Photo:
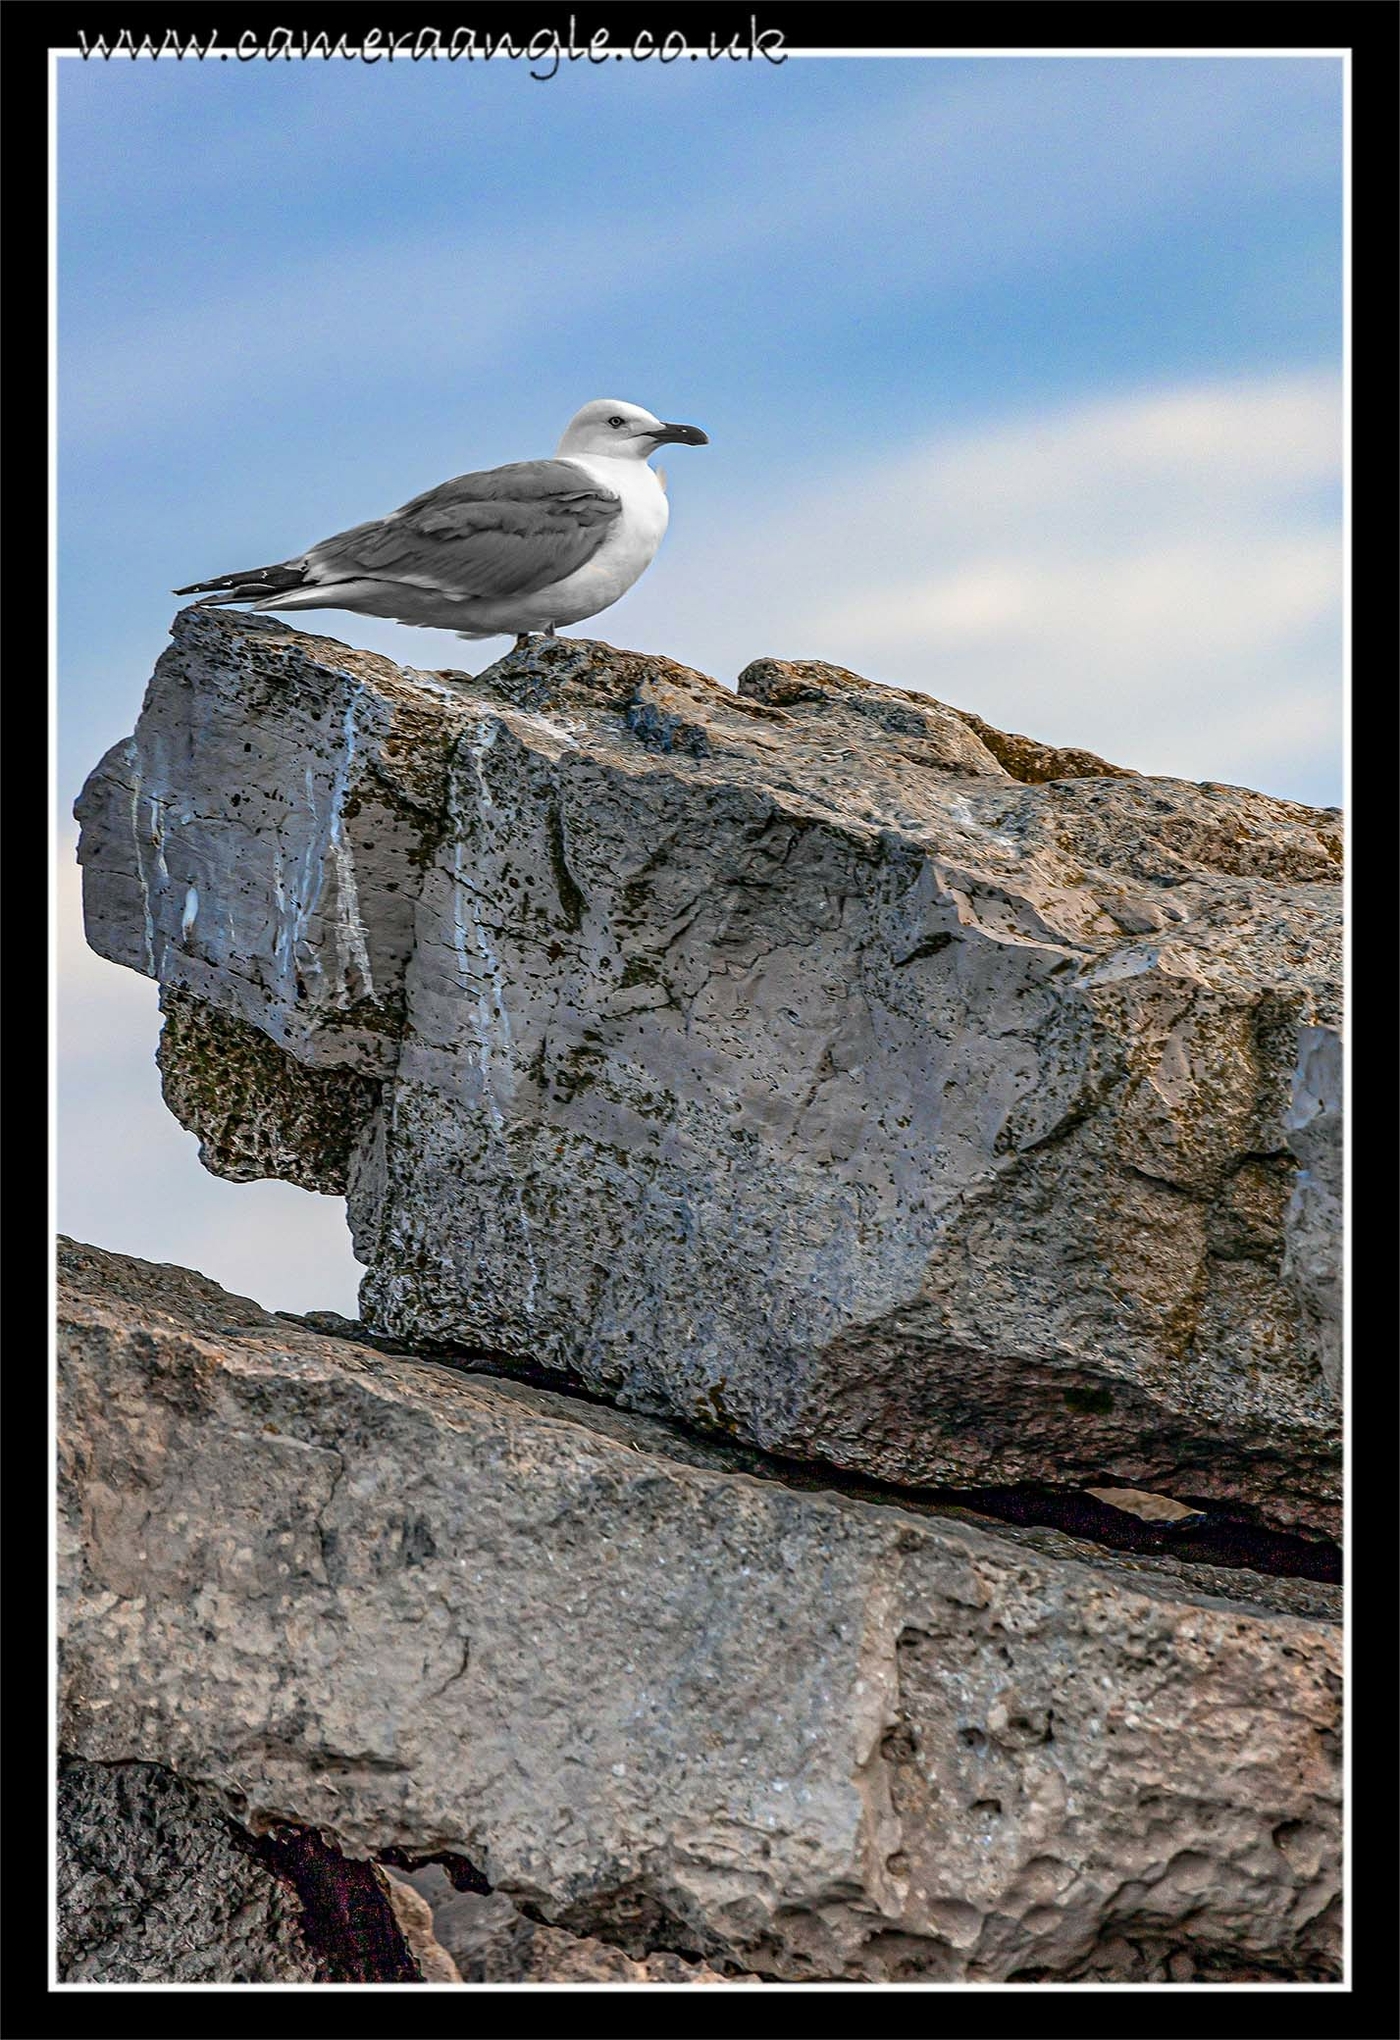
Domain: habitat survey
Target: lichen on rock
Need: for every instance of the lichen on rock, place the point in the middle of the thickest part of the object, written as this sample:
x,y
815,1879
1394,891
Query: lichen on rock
x,y
257,1110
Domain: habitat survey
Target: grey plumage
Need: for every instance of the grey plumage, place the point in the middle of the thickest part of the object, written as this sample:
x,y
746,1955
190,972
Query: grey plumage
x,y
502,531
517,548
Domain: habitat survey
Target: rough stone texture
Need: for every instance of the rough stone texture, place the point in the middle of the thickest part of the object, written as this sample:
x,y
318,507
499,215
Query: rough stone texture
x,y
415,1917
259,1112
1313,1230
490,1941
803,1062
655,1700
155,1885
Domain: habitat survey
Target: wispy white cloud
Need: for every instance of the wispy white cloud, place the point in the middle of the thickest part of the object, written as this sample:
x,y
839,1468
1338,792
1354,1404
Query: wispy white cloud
x,y
1157,577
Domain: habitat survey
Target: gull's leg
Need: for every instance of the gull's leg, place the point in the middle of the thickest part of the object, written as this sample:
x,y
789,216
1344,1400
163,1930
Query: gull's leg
x,y
522,639
549,630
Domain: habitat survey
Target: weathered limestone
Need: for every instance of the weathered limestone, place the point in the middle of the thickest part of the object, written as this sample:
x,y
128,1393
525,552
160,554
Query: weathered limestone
x,y
464,1937
656,1700
811,1063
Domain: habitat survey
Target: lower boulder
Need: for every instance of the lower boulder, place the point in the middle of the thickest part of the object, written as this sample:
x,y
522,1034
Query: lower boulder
x,y
653,1692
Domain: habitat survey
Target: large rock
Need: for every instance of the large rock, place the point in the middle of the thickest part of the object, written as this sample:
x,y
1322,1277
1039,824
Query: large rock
x,y
812,1062
654,1699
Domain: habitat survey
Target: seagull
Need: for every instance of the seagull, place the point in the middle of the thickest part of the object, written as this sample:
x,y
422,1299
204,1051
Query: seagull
x,y
519,548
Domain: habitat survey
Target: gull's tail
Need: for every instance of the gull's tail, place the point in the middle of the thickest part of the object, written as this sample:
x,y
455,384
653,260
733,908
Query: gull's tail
x,y
256,584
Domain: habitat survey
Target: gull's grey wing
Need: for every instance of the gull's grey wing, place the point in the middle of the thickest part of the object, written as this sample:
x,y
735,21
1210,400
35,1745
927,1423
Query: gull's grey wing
x,y
506,531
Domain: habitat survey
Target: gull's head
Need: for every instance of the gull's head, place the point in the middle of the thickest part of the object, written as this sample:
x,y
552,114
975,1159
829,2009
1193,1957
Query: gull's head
x,y
621,431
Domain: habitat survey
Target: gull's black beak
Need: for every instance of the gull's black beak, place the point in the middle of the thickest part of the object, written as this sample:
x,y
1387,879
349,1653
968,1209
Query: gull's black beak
x,y
680,435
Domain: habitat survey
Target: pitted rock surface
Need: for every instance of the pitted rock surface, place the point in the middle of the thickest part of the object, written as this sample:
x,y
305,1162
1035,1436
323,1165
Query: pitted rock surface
x,y
154,1885
655,1701
812,1061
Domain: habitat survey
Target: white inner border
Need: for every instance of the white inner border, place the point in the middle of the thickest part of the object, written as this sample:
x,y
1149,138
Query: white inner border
x,y
1343,56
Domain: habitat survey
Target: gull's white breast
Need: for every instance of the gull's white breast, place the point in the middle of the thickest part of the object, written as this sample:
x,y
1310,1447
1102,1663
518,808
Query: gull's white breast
x,y
626,552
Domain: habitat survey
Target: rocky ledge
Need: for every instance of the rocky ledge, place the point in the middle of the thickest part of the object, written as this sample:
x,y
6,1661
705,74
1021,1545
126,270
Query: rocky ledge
x,y
336,1620
810,1062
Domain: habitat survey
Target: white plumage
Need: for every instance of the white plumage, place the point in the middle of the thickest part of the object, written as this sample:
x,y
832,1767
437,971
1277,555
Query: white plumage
x,y
517,548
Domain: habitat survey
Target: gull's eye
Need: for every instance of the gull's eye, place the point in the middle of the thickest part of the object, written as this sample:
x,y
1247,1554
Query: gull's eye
x,y
615,422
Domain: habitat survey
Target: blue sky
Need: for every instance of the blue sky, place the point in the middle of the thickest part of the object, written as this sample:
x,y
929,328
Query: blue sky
x,y
1022,378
